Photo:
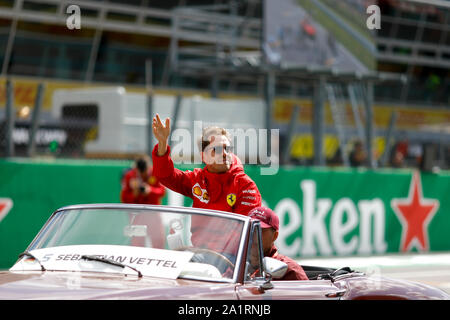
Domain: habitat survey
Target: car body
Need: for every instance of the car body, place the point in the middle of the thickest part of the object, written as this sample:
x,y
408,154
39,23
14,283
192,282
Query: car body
x,y
127,251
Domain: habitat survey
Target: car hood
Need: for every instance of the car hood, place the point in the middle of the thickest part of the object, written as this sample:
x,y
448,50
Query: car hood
x,y
79,286
378,287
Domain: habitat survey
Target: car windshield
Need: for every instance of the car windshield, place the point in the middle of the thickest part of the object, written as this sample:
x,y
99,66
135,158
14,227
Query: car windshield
x,y
200,245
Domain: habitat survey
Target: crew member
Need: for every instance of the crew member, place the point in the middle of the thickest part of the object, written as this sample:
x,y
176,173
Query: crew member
x,y
269,233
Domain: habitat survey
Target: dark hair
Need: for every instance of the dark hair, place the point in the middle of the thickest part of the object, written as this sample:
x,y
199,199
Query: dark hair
x,y
141,165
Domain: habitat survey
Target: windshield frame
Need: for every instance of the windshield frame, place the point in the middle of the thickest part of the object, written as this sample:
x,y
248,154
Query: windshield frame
x,y
161,208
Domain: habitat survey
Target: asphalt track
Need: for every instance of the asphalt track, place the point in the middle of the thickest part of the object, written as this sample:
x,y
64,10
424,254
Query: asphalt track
x,y
430,268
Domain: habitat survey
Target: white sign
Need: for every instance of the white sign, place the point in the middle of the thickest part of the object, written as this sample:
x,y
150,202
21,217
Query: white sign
x,y
150,262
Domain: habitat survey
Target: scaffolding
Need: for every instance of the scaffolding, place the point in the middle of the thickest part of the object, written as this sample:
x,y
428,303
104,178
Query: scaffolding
x,y
214,43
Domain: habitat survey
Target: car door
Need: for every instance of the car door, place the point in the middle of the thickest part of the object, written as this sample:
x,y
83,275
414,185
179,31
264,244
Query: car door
x,y
287,290
257,284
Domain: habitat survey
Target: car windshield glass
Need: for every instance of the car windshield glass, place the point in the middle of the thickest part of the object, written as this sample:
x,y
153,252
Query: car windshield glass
x,y
213,239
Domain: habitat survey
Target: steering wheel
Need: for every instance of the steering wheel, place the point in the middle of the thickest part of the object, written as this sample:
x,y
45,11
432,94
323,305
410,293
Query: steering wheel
x,y
209,256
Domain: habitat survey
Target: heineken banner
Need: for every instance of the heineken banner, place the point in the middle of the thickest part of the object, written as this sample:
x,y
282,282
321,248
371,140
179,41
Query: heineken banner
x,y
349,212
323,211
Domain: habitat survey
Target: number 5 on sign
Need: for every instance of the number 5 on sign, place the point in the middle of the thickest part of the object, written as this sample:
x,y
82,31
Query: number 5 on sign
x,y
74,20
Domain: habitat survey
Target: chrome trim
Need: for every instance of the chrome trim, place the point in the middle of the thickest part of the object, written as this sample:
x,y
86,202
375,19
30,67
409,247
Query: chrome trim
x,y
336,294
256,225
198,278
240,255
223,214
349,275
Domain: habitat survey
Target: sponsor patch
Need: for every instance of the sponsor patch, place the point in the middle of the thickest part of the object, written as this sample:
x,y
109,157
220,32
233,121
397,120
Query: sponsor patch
x,y
231,199
200,194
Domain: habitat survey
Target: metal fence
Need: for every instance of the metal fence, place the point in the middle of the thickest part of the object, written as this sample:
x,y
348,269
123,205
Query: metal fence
x,y
401,137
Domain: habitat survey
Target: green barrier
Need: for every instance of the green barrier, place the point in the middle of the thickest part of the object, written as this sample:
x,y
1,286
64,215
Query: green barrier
x,y
349,212
322,211
39,188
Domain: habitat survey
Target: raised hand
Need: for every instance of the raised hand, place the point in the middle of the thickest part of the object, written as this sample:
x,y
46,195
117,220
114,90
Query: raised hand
x,y
161,132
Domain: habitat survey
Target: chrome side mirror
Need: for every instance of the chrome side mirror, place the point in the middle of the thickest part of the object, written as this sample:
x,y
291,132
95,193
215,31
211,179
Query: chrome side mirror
x,y
276,268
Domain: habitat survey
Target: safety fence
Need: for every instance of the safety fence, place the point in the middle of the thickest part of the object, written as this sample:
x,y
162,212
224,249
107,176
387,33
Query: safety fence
x,y
323,211
66,127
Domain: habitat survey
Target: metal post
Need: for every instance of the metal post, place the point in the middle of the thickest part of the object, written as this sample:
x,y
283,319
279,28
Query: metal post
x,y
148,82
419,32
235,28
339,114
9,46
369,125
176,112
171,63
387,148
269,96
11,37
290,133
93,55
35,120
9,119
173,51
166,74
318,122
95,46
215,86
355,109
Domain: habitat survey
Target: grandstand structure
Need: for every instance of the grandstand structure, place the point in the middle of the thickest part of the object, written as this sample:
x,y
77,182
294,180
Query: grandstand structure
x,y
217,46
417,32
117,37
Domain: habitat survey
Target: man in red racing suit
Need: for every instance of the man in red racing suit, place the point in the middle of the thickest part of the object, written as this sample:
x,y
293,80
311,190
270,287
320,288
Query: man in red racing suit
x,y
221,185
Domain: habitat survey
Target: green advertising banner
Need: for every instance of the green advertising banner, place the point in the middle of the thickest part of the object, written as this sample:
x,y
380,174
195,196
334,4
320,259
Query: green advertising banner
x,y
349,212
323,211
34,189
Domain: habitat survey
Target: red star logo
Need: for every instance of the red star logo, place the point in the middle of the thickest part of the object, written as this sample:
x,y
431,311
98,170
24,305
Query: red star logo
x,y
415,214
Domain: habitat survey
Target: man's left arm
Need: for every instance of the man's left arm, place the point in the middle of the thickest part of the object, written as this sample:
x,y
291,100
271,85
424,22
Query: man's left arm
x,y
295,270
248,198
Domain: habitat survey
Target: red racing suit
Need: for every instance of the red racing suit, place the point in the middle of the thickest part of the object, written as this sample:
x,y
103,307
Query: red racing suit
x,y
232,191
157,190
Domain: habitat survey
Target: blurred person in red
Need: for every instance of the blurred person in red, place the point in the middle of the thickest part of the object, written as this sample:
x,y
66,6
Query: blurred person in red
x,y
140,186
269,233
400,153
220,185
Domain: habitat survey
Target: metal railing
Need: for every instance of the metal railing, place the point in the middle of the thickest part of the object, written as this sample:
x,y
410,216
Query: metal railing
x,y
205,28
